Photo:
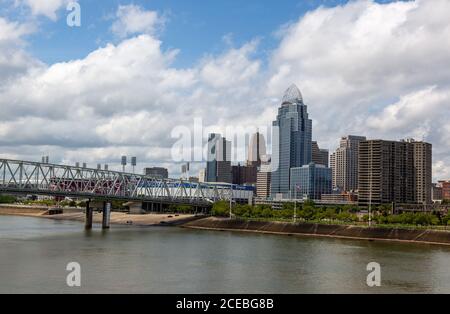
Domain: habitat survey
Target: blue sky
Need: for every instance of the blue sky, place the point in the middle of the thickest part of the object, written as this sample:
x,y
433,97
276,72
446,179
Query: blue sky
x,y
195,27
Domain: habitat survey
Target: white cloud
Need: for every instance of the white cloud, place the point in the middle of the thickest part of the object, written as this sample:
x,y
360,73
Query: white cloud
x,y
133,19
232,68
14,60
12,32
47,8
418,109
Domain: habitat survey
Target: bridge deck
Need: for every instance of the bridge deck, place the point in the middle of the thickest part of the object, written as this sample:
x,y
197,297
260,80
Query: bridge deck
x,y
25,177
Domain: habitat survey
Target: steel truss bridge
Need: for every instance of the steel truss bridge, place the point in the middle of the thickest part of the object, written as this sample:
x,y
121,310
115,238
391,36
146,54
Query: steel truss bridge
x,y
35,178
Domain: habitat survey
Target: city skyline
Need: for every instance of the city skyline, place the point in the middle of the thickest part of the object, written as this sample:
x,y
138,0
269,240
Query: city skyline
x,y
44,99
224,155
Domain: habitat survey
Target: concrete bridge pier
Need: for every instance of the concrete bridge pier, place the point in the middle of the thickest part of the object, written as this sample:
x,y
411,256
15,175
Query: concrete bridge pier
x,y
89,214
106,218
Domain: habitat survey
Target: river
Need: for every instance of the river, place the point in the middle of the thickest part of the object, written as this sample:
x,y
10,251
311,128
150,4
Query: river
x,y
34,253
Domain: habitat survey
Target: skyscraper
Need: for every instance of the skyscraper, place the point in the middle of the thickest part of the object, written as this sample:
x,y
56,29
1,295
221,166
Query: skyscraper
x,y
423,171
394,172
344,163
291,142
218,165
319,156
256,149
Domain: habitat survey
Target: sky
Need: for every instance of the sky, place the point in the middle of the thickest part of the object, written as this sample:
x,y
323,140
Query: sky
x,y
135,72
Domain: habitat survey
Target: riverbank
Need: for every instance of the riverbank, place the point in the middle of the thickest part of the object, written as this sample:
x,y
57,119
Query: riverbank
x,y
147,220
322,230
23,210
222,224
77,214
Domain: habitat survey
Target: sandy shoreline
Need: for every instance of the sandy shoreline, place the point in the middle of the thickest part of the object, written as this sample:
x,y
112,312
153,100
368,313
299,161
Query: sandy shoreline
x,y
127,219
73,214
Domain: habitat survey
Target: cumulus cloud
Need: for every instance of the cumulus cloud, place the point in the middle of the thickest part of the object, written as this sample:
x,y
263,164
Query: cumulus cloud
x,y
12,32
380,70
14,60
133,19
421,108
46,8
232,68
124,95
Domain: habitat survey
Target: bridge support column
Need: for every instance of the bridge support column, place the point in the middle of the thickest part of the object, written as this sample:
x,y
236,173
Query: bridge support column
x,y
106,215
89,212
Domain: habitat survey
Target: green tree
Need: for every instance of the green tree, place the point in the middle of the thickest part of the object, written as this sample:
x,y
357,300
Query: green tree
x,y
309,203
330,213
267,213
446,219
307,212
7,199
221,209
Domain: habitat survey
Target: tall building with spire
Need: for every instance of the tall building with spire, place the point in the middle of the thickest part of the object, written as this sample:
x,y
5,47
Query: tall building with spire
x,y
292,140
218,165
256,149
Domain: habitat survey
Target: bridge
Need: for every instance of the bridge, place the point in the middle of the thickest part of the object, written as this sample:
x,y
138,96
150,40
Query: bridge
x,y
36,178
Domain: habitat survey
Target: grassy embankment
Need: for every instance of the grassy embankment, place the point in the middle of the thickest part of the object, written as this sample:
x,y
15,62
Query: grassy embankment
x,y
334,215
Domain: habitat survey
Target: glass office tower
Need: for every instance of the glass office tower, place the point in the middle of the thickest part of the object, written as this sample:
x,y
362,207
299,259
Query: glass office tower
x,y
291,144
310,181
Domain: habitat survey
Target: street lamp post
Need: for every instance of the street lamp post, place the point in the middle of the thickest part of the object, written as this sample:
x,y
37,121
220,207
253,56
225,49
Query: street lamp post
x,y
370,187
231,200
295,211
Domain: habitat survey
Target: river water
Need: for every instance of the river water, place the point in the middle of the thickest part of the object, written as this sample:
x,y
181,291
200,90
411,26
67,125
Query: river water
x,y
34,254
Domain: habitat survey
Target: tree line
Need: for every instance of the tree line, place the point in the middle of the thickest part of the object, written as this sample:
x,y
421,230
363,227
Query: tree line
x,y
310,212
